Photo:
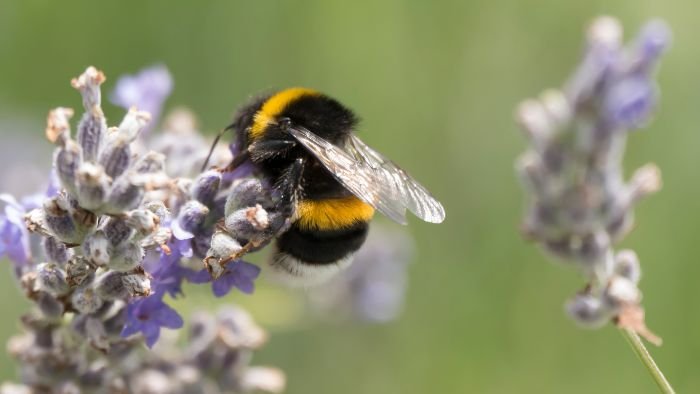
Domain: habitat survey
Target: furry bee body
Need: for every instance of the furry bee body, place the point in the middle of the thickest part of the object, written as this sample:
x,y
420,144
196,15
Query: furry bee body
x,y
329,223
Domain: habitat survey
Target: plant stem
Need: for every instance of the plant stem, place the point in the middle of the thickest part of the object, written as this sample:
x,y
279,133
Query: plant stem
x,y
641,351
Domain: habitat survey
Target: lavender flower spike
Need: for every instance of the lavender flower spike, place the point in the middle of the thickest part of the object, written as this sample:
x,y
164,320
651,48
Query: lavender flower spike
x,y
580,204
119,235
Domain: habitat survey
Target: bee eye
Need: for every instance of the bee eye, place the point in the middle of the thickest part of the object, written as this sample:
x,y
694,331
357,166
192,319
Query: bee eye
x,y
284,123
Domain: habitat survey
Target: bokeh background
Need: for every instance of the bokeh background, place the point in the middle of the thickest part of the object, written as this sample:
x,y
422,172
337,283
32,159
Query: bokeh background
x,y
436,84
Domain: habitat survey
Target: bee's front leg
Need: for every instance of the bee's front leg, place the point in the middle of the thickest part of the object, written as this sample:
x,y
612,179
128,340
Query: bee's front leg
x,y
290,188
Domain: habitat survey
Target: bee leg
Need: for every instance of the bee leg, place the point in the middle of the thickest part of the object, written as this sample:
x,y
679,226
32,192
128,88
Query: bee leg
x,y
290,187
290,190
261,150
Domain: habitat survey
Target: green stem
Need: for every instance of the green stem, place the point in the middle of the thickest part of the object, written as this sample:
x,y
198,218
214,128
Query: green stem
x,y
641,351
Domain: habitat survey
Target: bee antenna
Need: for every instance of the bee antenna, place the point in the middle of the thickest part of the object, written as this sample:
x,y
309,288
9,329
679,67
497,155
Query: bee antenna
x,y
213,146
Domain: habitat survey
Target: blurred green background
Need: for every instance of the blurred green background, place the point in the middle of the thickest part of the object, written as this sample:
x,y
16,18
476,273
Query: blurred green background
x,y
435,83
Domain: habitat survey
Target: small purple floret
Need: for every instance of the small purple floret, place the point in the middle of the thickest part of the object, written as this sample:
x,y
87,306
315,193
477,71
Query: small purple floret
x,y
148,315
238,274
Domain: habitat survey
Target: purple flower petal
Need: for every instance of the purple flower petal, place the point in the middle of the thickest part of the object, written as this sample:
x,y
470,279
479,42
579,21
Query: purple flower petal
x,y
148,315
130,330
629,102
151,333
179,232
168,317
222,286
202,276
239,274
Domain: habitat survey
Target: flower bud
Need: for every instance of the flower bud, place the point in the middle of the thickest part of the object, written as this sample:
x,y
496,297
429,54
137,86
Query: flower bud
x,y
621,291
52,279
629,102
264,379
536,121
627,265
88,83
109,286
91,131
152,381
78,270
67,160
60,222
223,245
244,194
116,156
137,285
123,196
96,335
247,223
605,30
96,249
653,40
192,216
85,300
143,221
49,306
593,247
58,125
150,162
159,237
56,251
588,311
133,123
92,186
158,208
238,329
206,186
117,231
645,181
127,257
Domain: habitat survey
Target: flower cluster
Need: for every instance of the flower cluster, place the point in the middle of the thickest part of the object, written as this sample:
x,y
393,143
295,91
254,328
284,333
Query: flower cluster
x,y
214,360
115,234
580,205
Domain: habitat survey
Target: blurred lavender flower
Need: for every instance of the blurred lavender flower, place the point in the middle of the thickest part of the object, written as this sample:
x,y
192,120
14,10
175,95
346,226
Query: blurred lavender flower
x,y
373,287
580,204
181,138
147,91
14,237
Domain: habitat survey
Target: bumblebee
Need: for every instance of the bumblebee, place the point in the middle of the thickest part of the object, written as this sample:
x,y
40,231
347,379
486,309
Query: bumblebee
x,y
329,182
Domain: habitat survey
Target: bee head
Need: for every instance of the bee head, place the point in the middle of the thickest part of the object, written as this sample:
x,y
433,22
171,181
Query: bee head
x,y
301,107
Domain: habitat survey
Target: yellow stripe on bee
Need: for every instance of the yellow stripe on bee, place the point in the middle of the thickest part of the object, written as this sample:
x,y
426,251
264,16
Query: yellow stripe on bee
x,y
274,106
332,214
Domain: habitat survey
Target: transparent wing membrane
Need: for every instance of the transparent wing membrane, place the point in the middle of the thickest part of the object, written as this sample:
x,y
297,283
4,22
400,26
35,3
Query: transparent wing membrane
x,y
373,178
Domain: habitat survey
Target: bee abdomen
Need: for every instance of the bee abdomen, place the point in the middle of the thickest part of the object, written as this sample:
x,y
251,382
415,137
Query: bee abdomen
x,y
318,247
307,257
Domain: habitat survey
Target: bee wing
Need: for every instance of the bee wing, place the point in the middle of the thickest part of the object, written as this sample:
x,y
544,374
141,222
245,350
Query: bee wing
x,y
372,178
